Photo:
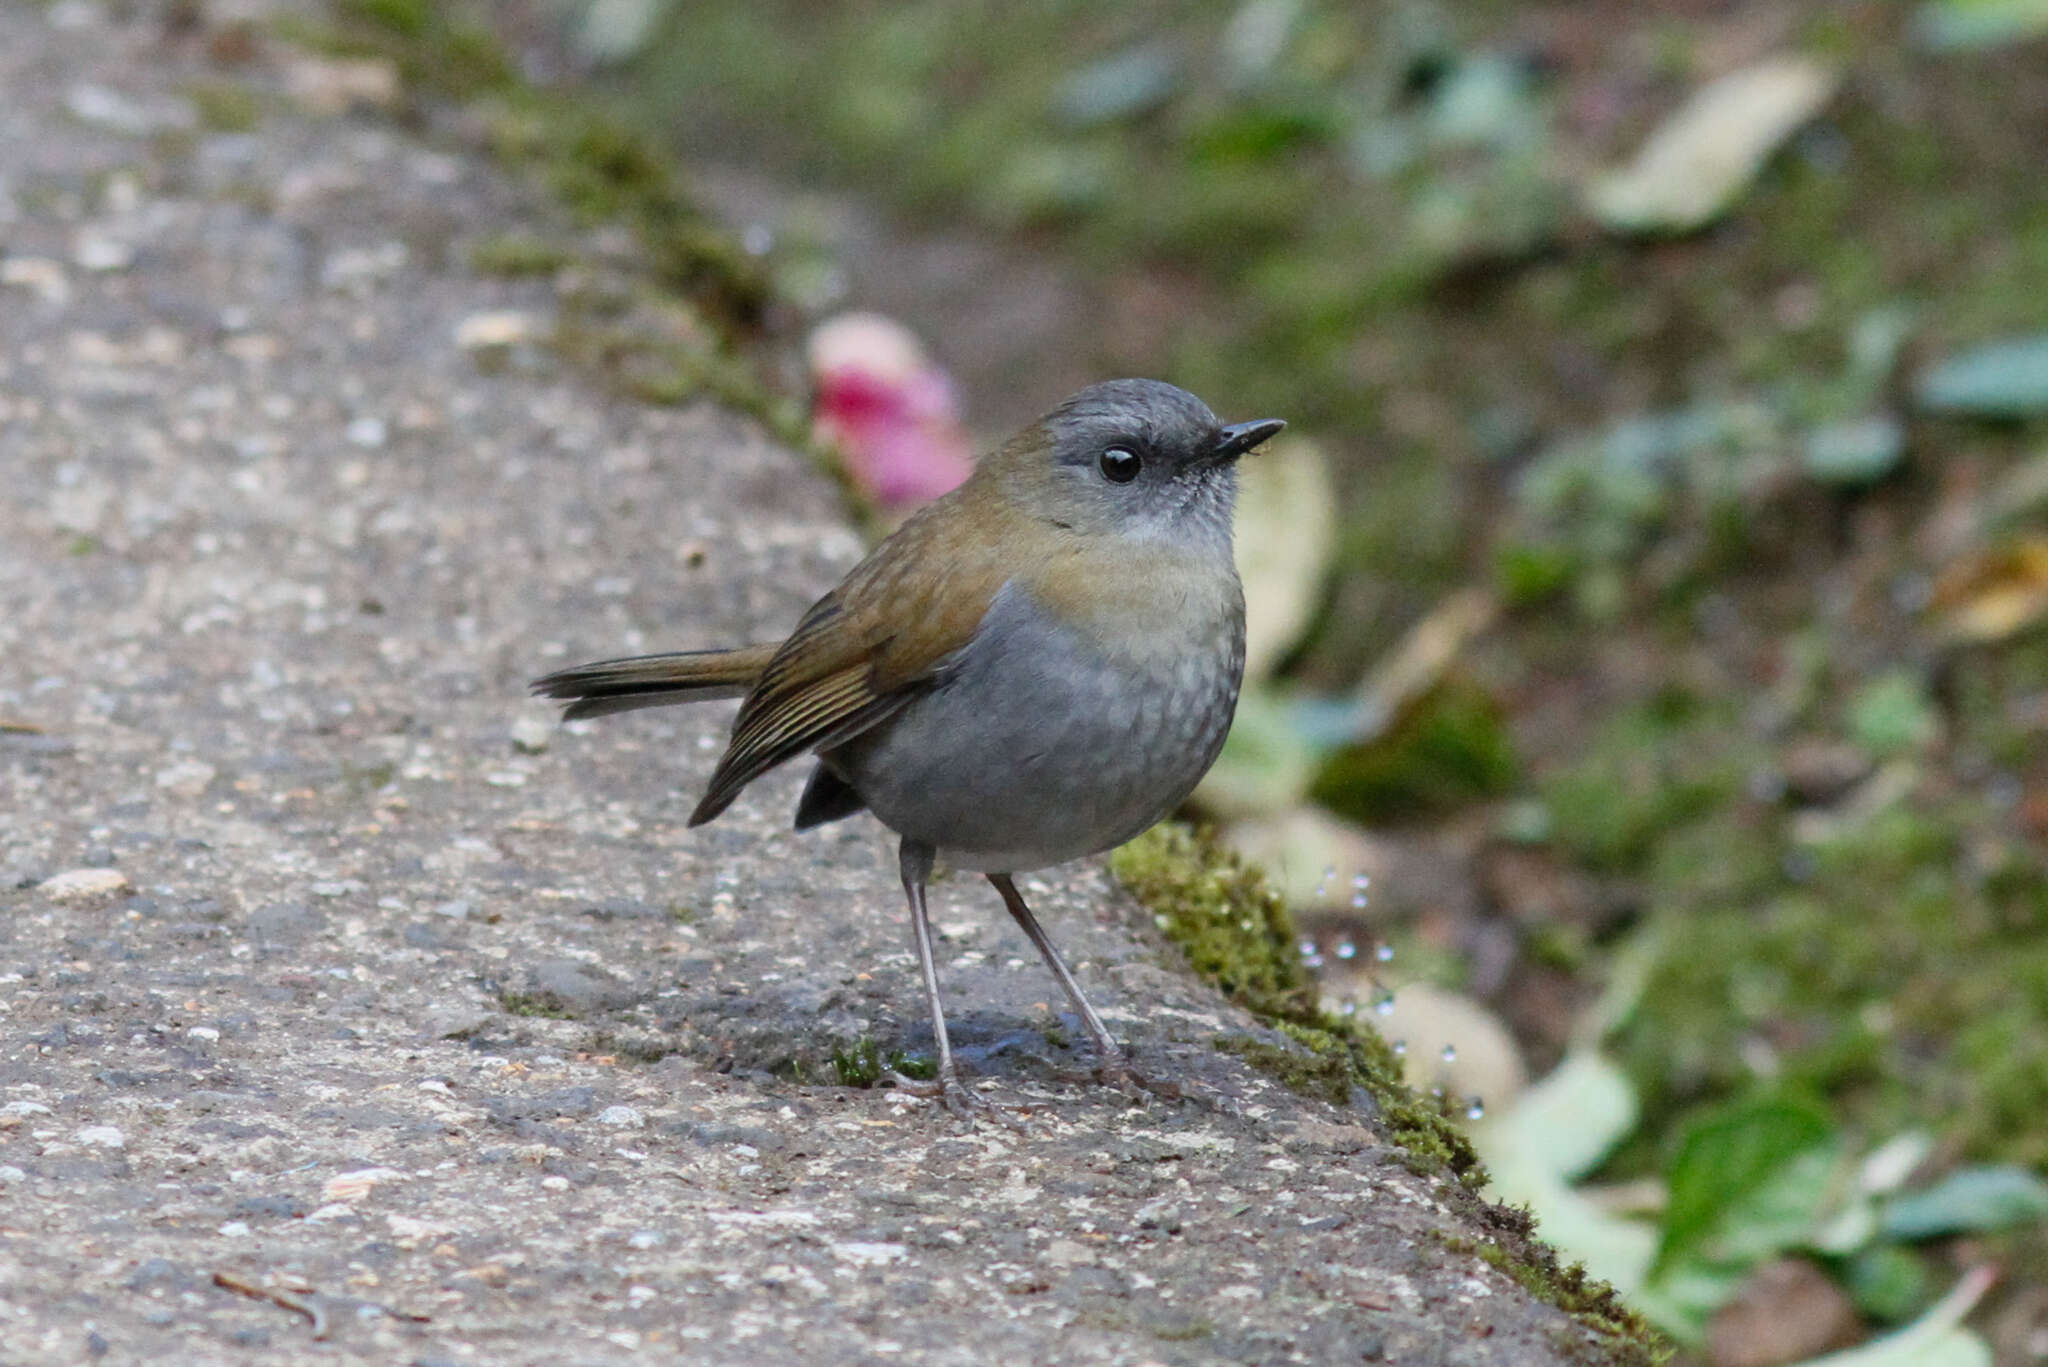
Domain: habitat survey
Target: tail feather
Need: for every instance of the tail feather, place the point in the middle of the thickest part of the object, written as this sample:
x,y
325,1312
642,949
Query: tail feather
x,y
608,686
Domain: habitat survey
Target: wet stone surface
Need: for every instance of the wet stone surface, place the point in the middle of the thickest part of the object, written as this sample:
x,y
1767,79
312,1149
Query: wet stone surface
x,y
329,969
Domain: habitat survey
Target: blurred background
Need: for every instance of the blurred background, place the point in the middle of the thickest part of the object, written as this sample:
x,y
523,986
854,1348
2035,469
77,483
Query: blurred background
x,y
1649,716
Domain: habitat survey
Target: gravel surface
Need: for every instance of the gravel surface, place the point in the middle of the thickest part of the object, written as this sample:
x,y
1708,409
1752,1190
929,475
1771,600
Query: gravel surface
x,y
351,1011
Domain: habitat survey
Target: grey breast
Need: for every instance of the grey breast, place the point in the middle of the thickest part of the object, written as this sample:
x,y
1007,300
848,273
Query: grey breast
x,y
1041,747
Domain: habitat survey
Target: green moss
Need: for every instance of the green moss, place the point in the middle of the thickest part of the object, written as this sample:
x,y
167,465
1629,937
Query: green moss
x,y
863,1064
1649,769
1896,968
604,170
858,1064
360,780
1236,932
601,167
534,1004
517,253
447,49
1325,1077
1181,1328
224,106
1528,573
1573,1290
1450,750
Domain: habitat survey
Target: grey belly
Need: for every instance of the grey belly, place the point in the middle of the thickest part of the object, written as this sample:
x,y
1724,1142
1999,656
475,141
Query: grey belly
x,y
1039,748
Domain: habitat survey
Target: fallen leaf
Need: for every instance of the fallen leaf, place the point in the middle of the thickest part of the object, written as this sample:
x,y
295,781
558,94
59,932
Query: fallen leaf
x,y
1266,764
1786,1309
1451,1042
1421,659
1700,159
1121,86
614,31
1855,450
1567,1122
1994,594
1614,1248
1952,25
1973,1200
1286,531
2006,379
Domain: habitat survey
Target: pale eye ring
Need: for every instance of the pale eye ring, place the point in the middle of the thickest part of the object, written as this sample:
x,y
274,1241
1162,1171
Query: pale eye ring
x,y
1119,464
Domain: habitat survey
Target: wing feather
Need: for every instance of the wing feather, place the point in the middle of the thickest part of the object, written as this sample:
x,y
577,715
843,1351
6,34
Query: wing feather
x,y
900,620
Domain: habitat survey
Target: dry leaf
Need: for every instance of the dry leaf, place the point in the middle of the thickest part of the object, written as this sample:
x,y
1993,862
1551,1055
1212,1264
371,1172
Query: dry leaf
x,y
1702,157
1286,532
1994,594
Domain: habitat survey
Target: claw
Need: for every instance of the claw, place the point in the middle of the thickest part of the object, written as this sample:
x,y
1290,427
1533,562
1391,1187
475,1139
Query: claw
x,y
958,1098
1115,1071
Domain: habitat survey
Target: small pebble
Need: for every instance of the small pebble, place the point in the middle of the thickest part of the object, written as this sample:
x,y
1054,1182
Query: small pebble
x,y
351,1186
78,885
623,1117
498,331
530,735
96,253
186,778
101,1137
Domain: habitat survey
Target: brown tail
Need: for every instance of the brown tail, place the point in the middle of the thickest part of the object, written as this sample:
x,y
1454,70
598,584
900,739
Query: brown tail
x,y
608,686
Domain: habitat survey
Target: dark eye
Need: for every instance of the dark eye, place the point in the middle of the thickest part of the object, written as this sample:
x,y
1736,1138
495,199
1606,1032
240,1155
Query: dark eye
x,y
1119,466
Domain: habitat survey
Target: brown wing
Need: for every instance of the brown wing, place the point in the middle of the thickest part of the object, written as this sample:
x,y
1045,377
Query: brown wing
x,y
864,650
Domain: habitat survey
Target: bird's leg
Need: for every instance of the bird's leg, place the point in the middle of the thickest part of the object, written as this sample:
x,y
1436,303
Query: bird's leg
x,y
1113,1065
916,860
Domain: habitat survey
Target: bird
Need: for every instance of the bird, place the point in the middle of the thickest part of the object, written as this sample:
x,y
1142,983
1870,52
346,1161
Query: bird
x,y
1034,668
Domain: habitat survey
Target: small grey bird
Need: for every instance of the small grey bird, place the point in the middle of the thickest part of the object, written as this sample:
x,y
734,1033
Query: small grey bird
x,y
1036,667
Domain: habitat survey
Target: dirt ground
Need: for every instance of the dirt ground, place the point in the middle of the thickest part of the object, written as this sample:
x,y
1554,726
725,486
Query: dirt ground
x,y
350,1011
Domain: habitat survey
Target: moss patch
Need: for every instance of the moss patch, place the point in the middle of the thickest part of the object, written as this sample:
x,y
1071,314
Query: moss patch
x,y
224,106
534,1004
1237,933
1569,1288
601,168
515,254
863,1064
1448,751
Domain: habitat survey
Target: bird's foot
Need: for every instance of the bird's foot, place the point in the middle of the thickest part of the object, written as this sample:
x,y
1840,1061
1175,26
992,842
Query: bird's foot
x,y
1113,1069
957,1097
